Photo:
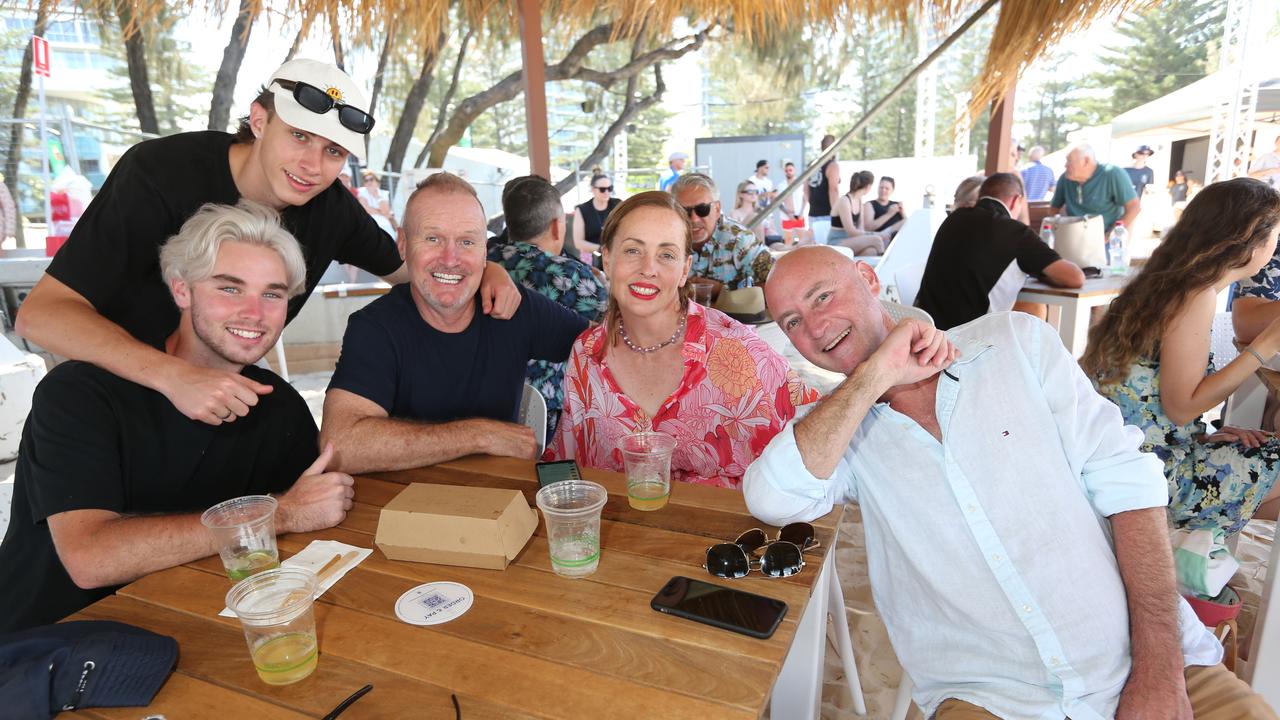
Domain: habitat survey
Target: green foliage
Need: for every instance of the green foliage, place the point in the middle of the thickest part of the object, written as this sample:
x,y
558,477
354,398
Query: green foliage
x,y
179,88
644,146
1164,48
879,62
751,93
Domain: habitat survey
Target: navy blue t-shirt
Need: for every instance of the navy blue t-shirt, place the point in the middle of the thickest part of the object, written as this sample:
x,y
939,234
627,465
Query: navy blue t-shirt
x,y
391,356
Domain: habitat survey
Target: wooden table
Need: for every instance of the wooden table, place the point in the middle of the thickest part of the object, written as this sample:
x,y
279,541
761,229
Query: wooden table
x,y
534,645
1073,305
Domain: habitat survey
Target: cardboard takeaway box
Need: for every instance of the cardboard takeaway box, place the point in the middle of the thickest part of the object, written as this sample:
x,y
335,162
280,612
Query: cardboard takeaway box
x,y
456,525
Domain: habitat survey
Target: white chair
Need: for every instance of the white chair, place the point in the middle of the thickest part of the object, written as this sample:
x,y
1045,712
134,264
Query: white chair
x,y
908,280
533,412
900,312
1244,407
844,643
910,247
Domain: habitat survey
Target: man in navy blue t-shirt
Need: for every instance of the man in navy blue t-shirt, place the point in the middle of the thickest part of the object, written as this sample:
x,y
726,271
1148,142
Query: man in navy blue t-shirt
x,y
424,376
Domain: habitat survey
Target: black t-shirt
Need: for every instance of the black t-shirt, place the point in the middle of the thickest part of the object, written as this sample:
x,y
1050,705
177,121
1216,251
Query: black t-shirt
x,y
112,257
1141,178
94,440
973,248
879,210
820,193
391,356
593,219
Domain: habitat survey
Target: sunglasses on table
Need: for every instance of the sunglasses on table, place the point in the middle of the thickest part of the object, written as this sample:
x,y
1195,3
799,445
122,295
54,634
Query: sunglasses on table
x,y
782,557
319,102
605,188
701,209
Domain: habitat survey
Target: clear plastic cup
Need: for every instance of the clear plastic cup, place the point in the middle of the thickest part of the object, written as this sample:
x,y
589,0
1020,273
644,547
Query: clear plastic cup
x,y
245,528
572,512
647,456
274,608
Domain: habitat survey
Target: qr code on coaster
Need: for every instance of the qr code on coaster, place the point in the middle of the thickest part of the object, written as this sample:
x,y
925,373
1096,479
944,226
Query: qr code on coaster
x,y
432,600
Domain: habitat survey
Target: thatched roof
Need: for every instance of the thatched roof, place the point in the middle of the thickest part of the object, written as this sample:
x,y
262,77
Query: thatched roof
x,y
1026,30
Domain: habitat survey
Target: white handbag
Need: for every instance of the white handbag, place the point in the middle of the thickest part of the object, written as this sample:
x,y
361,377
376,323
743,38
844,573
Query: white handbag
x,y
1080,240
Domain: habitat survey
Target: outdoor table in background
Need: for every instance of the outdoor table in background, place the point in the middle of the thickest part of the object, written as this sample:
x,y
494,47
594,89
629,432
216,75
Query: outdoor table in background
x,y
533,645
1073,305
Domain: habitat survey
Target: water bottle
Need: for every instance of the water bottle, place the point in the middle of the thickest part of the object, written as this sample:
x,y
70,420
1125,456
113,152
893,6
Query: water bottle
x,y
1046,233
1117,252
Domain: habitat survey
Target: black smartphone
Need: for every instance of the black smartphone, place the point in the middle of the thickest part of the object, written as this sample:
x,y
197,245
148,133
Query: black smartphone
x,y
722,607
557,470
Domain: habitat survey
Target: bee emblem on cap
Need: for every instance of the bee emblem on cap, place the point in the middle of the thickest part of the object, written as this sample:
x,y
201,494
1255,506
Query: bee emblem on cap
x,y
334,93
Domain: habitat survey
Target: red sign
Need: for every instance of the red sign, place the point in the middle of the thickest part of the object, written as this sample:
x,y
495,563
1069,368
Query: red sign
x,y
40,55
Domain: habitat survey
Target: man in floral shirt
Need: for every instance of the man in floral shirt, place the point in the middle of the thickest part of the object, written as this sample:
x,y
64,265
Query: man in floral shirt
x,y
535,238
724,250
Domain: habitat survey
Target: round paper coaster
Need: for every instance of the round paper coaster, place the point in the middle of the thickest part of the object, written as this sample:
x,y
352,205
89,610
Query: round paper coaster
x,y
434,603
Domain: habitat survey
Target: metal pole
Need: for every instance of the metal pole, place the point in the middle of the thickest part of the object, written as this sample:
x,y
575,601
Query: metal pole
x,y
44,159
897,90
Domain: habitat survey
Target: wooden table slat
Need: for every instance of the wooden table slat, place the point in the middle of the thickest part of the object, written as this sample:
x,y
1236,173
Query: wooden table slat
x,y
546,686
214,651
687,552
533,645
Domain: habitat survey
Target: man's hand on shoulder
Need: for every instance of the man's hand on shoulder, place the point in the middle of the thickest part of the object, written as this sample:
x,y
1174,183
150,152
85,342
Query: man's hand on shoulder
x,y
499,296
211,396
912,352
317,500
1154,698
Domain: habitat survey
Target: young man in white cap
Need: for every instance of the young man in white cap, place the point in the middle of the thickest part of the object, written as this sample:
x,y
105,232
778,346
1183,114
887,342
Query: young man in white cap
x,y
103,299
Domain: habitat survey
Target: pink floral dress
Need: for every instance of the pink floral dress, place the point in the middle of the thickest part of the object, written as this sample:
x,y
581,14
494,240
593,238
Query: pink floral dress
x,y
735,395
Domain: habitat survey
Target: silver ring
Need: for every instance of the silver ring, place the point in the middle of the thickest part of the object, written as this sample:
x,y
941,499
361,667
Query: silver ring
x,y
226,417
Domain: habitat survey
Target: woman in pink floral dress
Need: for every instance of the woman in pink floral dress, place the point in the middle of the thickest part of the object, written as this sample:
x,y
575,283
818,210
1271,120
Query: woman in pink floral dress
x,y
660,362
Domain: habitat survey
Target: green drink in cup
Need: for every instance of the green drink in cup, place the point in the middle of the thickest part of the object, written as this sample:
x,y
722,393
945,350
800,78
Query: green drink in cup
x,y
245,529
279,624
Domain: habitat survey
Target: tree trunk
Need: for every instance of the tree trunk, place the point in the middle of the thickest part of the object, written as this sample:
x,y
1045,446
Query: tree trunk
x,y
224,86
337,40
413,108
387,43
443,113
19,111
136,58
631,109
302,33
569,68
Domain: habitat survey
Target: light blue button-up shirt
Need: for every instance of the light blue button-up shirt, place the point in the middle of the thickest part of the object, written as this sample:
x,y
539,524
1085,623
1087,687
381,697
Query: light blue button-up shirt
x,y
990,557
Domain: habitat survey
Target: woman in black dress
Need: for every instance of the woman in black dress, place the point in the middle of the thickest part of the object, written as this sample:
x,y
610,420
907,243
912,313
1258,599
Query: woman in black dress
x,y
589,217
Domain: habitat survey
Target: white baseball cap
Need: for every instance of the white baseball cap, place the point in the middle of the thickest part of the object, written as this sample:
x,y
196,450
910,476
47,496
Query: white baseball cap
x,y
333,82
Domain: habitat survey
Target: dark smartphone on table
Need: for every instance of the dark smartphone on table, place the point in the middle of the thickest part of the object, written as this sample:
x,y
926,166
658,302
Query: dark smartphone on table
x,y
557,470
720,606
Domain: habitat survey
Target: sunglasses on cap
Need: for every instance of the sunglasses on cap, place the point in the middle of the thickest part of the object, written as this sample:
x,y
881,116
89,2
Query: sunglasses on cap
x,y
701,209
782,557
604,189
319,102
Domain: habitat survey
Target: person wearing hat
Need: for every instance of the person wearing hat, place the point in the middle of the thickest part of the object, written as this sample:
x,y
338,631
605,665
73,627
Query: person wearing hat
x,y
1139,174
675,164
103,299
111,479
662,362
